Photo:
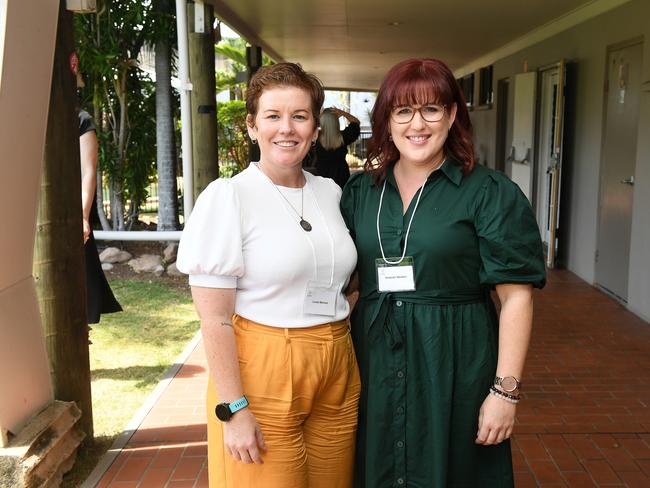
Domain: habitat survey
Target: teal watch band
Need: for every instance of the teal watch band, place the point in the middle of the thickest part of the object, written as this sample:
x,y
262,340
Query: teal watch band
x,y
225,411
237,405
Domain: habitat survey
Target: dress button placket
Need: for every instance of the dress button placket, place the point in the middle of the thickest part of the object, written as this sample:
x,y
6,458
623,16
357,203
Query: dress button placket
x,y
399,421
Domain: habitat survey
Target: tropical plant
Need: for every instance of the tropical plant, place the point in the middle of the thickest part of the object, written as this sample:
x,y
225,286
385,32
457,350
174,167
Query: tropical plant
x,y
233,137
234,50
120,97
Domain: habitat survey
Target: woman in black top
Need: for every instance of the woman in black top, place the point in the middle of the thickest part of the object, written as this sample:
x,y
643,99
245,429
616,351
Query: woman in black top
x,y
99,297
332,145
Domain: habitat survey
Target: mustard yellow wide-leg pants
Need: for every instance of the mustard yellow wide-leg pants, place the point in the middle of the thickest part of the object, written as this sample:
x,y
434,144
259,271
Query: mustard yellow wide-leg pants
x,y
303,387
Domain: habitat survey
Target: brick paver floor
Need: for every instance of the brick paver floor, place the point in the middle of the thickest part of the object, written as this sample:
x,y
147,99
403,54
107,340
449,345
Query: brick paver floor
x,y
584,420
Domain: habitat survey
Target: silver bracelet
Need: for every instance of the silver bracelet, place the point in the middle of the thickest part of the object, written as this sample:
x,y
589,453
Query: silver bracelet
x,y
507,398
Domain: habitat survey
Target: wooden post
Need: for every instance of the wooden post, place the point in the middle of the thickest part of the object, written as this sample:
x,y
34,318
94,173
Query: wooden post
x,y
253,63
59,266
203,97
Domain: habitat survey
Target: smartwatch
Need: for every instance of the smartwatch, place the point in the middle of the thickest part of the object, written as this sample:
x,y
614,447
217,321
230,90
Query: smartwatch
x,y
225,411
507,383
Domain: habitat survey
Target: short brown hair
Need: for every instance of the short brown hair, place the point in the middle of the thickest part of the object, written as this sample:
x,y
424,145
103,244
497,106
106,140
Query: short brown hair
x,y
284,74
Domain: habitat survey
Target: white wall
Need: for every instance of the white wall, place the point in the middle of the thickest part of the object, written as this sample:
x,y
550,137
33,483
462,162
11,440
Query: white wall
x,y
27,56
639,283
586,44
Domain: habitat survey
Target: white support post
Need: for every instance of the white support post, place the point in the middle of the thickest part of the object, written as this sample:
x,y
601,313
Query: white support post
x,y
186,120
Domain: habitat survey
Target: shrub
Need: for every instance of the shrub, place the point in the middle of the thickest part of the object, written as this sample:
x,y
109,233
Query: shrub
x,y
233,137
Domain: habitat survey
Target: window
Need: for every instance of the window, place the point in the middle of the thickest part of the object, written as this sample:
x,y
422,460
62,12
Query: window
x,y
485,94
467,87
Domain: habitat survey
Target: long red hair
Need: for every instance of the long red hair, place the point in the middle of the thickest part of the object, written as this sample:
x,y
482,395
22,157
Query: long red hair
x,y
414,82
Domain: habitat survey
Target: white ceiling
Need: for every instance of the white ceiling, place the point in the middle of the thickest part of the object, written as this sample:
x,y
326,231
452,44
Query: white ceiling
x,y
352,43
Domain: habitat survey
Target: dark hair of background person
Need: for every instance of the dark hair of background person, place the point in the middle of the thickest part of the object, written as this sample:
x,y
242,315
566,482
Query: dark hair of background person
x,y
415,82
285,74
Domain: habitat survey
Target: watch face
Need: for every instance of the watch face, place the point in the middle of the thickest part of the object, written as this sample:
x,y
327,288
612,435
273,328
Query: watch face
x,y
509,383
223,412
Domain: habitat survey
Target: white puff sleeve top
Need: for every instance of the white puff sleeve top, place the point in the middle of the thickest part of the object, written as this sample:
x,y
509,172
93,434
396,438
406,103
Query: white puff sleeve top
x,y
243,234
210,250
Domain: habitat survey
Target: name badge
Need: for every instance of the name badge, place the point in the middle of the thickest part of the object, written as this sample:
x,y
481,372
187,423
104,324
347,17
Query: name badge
x,y
395,277
320,300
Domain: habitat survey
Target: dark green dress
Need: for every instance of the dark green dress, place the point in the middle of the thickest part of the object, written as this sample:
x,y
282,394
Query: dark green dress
x,y
428,357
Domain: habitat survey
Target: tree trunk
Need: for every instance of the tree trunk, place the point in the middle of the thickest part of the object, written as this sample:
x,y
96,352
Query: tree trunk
x,y
134,210
59,265
203,99
117,206
99,196
119,138
165,133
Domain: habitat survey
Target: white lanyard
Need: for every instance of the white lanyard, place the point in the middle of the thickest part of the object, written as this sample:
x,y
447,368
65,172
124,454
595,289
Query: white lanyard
x,y
331,239
408,229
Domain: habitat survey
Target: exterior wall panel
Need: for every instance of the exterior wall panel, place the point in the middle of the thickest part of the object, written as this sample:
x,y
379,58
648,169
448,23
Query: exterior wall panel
x,y
586,45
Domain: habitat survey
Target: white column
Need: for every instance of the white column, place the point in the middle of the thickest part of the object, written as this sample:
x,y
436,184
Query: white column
x,y
186,120
28,35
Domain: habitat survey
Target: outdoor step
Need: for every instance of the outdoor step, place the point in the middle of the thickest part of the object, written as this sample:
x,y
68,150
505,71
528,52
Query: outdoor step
x,y
44,450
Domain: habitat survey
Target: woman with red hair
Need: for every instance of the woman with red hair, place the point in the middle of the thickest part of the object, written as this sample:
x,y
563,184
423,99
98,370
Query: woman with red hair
x,y
434,233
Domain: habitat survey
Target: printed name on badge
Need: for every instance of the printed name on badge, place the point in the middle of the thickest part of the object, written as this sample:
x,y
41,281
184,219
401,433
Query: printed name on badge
x,y
320,300
395,277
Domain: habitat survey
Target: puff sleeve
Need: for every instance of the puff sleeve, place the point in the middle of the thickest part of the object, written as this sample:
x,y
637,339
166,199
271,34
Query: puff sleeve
x,y
509,242
210,250
348,201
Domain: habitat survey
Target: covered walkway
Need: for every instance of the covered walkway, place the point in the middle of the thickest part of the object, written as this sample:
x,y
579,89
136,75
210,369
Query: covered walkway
x,y
584,422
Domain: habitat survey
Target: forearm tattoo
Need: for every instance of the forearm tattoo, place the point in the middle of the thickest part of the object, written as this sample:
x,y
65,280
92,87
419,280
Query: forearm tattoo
x,y
226,324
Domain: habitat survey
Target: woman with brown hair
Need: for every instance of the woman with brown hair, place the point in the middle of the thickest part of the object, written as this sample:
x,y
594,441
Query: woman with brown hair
x,y
434,233
268,256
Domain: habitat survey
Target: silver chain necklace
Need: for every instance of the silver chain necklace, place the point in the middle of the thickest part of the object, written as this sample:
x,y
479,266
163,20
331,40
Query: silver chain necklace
x,y
306,226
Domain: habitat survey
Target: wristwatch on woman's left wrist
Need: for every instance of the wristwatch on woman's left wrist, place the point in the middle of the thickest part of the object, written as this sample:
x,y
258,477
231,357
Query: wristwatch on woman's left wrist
x,y
507,383
225,411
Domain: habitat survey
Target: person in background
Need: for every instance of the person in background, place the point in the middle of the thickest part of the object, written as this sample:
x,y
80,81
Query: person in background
x,y
435,233
268,256
332,145
99,296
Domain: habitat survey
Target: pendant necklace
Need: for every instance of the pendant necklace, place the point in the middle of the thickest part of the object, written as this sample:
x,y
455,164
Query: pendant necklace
x,y
306,226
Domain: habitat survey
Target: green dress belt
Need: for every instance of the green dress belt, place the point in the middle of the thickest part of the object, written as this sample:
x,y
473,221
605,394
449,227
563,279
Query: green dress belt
x,y
380,313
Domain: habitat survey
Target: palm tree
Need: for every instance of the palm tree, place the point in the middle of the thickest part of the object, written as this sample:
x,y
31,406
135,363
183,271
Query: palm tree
x,y
58,250
234,50
165,133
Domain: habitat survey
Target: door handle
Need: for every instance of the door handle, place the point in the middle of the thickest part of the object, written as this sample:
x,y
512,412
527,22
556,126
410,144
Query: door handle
x,y
628,181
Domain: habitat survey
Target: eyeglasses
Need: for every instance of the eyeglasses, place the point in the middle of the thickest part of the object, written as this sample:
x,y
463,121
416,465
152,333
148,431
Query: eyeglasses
x,y
430,113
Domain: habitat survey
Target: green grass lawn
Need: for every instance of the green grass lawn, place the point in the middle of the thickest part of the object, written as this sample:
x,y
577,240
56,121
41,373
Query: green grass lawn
x,y
129,354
